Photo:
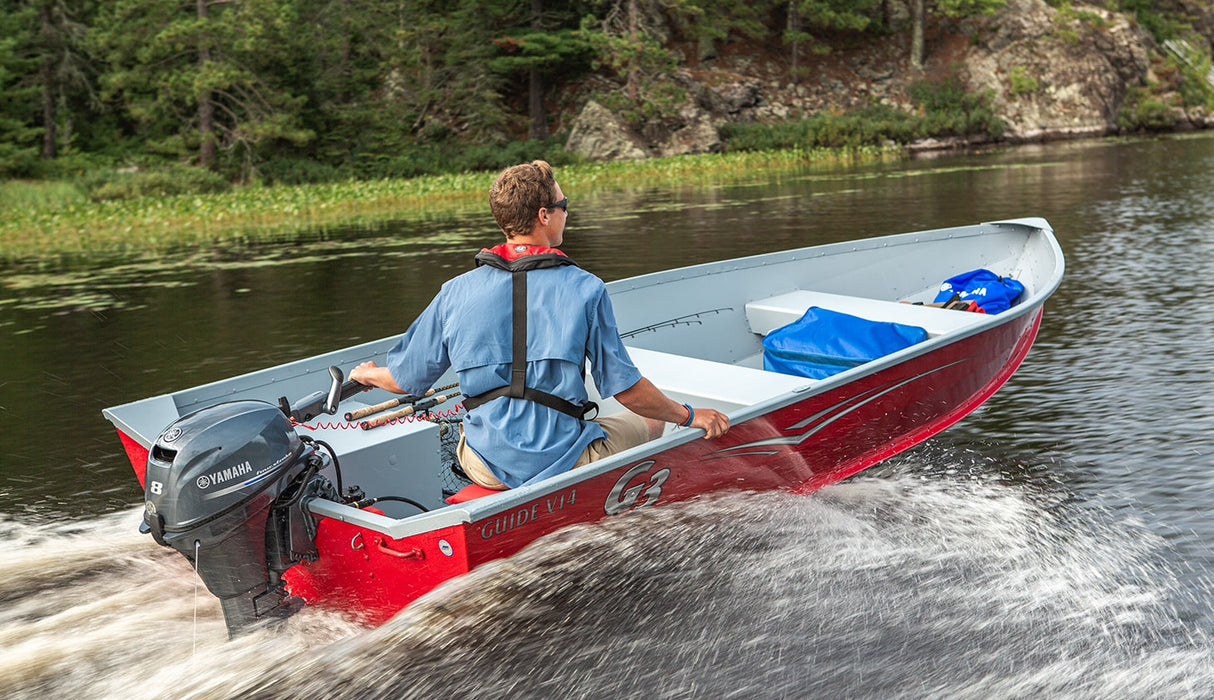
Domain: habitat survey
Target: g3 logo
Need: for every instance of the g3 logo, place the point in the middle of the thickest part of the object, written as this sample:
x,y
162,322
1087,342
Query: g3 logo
x,y
621,499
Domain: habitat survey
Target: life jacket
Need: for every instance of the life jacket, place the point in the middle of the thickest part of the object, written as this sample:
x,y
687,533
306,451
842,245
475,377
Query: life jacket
x,y
979,290
518,260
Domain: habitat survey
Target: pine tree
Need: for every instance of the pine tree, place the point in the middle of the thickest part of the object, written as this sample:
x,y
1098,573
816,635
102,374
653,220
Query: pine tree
x,y
626,36
543,45
193,75
18,85
336,57
442,70
64,66
804,16
948,8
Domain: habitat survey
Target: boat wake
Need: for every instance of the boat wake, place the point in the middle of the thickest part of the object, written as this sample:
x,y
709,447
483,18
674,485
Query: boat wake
x,y
903,585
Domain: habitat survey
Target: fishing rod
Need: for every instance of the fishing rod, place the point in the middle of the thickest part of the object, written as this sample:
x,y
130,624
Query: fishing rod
x,y
361,413
423,405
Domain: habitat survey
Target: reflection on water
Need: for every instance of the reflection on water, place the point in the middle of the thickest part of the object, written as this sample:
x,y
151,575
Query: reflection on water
x,y
950,581
103,287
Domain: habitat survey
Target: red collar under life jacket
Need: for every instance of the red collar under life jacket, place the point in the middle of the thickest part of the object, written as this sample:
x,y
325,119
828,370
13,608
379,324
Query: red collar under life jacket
x,y
514,256
517,259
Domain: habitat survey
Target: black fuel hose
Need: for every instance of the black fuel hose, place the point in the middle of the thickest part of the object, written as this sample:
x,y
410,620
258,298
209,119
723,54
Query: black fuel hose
x,y
332,453
372,501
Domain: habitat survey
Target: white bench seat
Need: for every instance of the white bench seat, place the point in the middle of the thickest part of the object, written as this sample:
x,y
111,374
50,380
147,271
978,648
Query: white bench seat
x,y
718,383
766,315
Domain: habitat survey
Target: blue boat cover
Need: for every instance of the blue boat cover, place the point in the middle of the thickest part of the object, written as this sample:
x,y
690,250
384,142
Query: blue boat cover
x,y
824,342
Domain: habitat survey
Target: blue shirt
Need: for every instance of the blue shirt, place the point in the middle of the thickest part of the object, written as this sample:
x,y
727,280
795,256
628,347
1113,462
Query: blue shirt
x,y
468,326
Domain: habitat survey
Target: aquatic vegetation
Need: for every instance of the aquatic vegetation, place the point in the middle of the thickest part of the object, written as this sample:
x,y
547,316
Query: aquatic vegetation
x,y
51,231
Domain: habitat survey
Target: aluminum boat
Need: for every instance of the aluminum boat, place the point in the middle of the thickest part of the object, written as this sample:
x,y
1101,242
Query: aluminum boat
x,y
280,503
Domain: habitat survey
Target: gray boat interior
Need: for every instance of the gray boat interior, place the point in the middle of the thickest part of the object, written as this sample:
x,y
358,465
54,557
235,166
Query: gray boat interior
x,y
695,332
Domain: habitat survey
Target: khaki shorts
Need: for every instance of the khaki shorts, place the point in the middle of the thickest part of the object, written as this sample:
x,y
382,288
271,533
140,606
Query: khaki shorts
x,y
624,430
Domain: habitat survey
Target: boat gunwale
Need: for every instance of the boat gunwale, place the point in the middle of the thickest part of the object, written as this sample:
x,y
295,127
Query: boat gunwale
x,y
493,504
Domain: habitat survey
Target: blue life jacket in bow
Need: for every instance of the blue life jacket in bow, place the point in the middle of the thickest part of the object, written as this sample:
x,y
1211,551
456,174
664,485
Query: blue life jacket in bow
x,y
990,292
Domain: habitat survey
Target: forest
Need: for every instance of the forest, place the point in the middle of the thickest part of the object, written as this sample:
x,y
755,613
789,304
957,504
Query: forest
x,y
293,91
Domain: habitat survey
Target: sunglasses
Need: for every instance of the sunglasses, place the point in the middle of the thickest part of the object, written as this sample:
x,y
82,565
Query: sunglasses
x,y
563,204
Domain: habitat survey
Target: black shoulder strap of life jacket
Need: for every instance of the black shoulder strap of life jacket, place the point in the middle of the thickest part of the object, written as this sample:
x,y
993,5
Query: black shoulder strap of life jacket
x,y
518,388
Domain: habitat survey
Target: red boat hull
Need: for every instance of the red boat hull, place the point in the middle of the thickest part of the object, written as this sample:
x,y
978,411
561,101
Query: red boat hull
x,y
819,440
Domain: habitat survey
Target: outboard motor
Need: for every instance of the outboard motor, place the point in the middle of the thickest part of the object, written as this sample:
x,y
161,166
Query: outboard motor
x,y
226,487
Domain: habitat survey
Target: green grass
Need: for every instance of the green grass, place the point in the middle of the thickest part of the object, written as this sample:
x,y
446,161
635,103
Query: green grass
x,y
78,227
49,224
16,195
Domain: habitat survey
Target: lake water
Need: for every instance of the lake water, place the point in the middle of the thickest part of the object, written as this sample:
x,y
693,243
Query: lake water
x,y
1055,543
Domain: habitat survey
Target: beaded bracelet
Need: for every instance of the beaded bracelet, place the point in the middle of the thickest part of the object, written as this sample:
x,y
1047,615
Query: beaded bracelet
x,y
691,415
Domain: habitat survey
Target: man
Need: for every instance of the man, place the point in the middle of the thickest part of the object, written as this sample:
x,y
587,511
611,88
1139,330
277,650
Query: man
x,y
519,329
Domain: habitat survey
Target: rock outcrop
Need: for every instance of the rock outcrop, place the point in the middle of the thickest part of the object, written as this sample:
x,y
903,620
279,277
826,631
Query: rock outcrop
x,y
1055,77
597,134
1051,73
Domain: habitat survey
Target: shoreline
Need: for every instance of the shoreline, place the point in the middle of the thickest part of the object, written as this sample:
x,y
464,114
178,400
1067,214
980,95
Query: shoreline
x,y
88,234
56,237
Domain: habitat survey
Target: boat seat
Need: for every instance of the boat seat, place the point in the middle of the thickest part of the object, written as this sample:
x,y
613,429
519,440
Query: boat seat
x,y
716,382
766,315
471,492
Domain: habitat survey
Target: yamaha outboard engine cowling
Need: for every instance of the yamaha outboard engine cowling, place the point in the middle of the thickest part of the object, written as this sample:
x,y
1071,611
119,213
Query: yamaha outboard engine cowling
x,y
224,487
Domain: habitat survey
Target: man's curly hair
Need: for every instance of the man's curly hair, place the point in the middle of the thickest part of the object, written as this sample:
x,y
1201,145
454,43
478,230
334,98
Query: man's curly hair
x,y
518,194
